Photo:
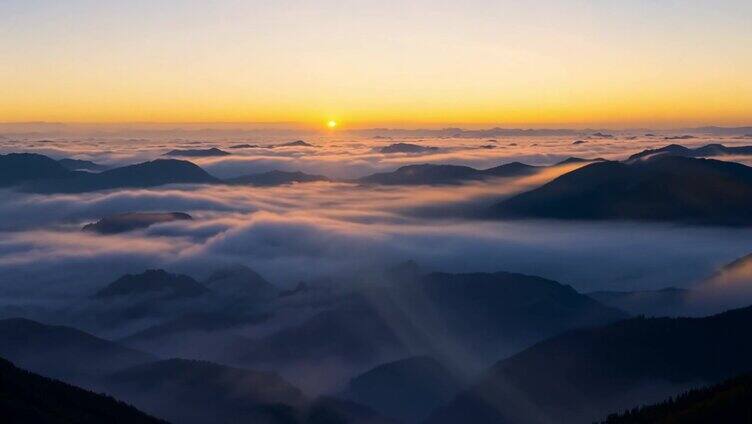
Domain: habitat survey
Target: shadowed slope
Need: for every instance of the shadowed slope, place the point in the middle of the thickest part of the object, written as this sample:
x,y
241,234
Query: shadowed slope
x,y
153,282
583,375
17,168
676,189
408,389
728,402
62,352
26,397
148,174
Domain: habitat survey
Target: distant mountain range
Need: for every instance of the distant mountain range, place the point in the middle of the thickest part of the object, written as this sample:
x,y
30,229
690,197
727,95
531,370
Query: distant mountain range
x,y
713,130
39,175
296,143
430,174
583,375
275,178
464,133
652,190
699,152
212,152
406,148
729,287
670,301
26,397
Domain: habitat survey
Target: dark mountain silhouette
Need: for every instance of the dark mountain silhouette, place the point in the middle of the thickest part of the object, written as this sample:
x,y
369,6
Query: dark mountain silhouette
x,y
499,313
188,391
699,152
244,146
424,174
654,190
241,282
81,165
181,390
130,221
495,314
199,392
428,174
512,169
583,375
354,333
17,168
727,402
63,352
670,301
680,137
153,282
148,174
406,390
296,143
407,148
26,397
573,159
197,152
273,178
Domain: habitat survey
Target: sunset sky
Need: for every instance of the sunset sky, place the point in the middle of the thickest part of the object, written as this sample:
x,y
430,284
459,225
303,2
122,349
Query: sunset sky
x,y
378,62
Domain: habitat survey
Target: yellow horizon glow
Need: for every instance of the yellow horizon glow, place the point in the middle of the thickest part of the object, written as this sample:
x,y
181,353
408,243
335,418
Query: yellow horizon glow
x,y
597,63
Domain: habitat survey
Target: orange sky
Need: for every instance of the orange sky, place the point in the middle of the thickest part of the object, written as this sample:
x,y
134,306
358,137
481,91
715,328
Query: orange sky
x,y
553,63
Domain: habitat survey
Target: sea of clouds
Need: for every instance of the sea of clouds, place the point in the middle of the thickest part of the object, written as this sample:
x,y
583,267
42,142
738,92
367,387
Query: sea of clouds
x,y
305,231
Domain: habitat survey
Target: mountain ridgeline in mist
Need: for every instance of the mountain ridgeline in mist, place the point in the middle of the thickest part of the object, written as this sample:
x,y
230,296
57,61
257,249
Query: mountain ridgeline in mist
x,y
181,391
435,314
405,345
361,328
274,178
585,374
153,281
708,150
38,173
658,189
429,174
130,221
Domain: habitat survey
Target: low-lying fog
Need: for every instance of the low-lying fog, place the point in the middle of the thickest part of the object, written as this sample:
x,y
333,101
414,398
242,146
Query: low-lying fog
x,y
303,231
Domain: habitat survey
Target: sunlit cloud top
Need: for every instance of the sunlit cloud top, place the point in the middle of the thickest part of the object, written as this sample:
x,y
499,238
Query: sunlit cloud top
x,y
368,62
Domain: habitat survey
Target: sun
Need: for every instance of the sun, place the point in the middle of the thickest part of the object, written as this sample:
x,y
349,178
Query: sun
x,y
331,124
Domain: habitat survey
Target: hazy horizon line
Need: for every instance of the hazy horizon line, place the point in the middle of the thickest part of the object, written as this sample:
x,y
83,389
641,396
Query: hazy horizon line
x,y
345,127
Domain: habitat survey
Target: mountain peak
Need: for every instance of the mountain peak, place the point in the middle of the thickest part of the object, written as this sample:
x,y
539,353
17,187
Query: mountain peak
x,y
155,282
